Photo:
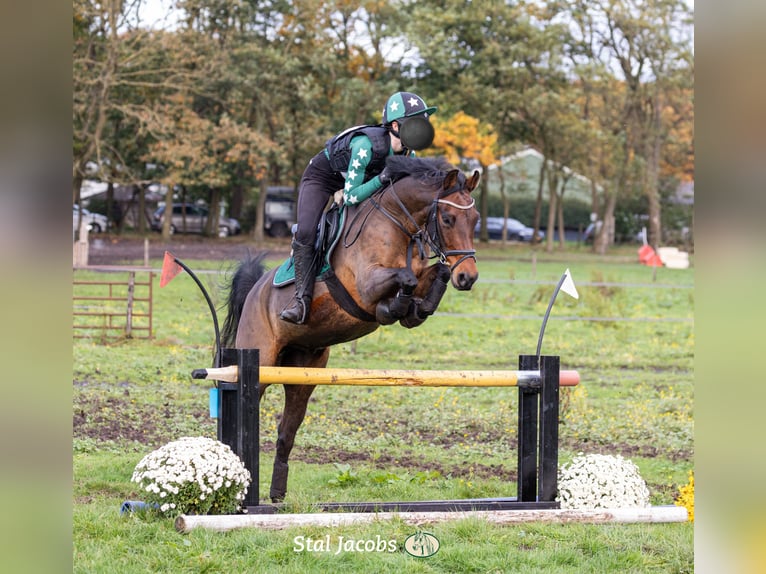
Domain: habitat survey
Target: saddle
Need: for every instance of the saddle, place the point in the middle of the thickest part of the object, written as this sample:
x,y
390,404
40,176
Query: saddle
x,y
328,234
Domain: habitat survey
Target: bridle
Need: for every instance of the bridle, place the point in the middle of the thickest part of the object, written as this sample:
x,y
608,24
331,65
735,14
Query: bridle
x,y
430,233
434,233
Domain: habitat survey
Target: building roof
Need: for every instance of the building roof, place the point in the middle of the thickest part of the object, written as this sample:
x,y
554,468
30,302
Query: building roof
x,y
522,172
96,189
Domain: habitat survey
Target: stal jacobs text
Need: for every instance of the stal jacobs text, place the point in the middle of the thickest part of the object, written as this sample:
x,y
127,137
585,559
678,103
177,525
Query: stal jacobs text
x,y
325,544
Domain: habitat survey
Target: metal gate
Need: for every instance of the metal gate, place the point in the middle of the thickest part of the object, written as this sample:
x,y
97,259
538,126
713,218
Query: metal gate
x,y
113,309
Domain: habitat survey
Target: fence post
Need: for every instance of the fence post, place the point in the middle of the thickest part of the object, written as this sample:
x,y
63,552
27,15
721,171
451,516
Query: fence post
x,y
129,316
227,404
248,419
549,429
527,432
81,246
239,414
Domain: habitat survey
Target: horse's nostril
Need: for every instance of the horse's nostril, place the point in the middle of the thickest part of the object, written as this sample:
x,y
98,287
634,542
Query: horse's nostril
x,y
464,280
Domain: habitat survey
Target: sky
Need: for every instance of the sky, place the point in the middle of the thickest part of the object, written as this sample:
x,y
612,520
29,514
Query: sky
x,y
157,13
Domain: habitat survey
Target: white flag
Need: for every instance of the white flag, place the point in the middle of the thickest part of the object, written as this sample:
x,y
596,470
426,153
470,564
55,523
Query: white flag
x,y
568,285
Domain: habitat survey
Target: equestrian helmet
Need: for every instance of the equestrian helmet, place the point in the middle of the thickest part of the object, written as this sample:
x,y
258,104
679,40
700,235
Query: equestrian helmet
x,y
405,105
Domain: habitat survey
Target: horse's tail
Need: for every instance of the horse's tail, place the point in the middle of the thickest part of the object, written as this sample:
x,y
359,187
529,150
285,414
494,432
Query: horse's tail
x,y
249,271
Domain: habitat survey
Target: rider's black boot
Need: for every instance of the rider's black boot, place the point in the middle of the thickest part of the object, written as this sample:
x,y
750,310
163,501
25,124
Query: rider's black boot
x,y
297,311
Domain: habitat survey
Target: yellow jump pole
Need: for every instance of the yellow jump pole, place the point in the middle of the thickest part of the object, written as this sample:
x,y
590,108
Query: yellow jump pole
x,y
386,377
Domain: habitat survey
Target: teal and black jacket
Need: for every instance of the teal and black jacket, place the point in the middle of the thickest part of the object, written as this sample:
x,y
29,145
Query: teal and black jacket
x,y
359,154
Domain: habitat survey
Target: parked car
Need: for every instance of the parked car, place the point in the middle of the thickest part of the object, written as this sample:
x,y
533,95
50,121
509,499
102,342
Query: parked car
x,y
191,218
515,229
279,211
96,222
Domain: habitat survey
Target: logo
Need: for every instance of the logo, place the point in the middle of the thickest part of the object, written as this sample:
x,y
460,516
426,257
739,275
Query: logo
x,y
421,544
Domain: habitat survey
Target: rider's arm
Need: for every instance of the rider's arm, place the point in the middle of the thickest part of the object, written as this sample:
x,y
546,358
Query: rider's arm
x,y
356,189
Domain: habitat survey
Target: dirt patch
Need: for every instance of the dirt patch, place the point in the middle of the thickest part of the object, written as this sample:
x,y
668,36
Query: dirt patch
x,y
384,462
118,419
626,450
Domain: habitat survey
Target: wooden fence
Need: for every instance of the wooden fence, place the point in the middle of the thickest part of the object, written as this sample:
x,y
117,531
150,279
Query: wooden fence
x,y
115,307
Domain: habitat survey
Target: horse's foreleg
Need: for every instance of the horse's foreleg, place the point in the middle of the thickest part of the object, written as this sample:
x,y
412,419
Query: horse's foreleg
x,y
383,282
438,276
392,309
441,277
296,400
393,289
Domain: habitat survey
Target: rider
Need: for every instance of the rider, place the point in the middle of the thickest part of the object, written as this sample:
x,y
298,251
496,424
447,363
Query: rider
x,y
355,161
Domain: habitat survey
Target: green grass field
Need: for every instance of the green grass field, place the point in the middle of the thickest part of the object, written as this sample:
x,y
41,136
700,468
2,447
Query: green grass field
x,y
631,336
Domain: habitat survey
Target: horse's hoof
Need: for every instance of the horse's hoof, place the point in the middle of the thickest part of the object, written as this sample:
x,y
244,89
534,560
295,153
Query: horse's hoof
x,y
410,322
408,281
278,481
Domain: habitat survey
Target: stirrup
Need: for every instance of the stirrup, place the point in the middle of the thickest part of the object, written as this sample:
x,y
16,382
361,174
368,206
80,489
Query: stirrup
x,y
296,312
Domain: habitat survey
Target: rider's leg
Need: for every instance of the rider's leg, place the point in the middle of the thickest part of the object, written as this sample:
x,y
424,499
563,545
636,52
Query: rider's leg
x,y
297,310
317,185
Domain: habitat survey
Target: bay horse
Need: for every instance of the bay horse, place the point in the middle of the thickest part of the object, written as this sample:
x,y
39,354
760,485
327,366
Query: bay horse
x,y
381,274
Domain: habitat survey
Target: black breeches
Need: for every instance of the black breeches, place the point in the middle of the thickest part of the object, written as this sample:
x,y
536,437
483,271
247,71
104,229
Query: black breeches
x,y
317,185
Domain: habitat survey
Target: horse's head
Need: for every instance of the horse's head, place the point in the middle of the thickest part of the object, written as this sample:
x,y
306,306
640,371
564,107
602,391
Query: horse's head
x,y
451,227
437,197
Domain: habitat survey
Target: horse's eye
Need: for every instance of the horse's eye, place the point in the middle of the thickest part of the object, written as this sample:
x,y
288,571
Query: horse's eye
x,y
448,219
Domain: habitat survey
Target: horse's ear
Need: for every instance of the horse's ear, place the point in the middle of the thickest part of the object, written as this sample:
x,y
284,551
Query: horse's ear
x,y
451,178
474,181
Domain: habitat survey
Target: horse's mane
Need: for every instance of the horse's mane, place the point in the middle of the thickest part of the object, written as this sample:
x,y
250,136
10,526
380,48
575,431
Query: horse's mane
x,y
430,170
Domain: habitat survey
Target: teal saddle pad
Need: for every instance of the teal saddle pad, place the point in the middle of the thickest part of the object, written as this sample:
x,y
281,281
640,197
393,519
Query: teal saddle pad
x,y
332,226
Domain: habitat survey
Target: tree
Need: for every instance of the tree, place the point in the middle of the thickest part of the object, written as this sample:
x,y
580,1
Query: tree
x,y
600,86
499,60
96,59
555,126
463,140
645,44
119,73
194,151
291,72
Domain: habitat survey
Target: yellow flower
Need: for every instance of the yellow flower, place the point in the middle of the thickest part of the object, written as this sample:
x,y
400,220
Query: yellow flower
x,y
686,496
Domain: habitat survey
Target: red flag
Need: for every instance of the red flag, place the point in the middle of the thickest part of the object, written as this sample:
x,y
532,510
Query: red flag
x,y
649,257
169,269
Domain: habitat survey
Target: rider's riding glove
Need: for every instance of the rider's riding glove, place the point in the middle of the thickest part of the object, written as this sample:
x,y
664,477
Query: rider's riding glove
x,y
384,177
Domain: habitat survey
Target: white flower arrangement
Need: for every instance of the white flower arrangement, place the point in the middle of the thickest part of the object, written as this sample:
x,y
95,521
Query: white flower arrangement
x,y
193,475
601,481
